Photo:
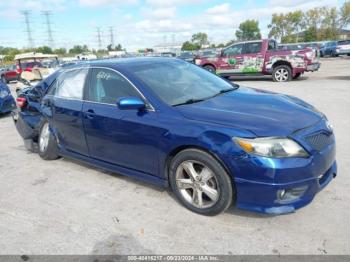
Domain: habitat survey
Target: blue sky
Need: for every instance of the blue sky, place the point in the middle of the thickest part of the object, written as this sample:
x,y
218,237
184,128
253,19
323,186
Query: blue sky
x,y
138,23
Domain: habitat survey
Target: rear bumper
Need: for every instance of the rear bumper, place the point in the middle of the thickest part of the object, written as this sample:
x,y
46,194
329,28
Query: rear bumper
x,y
313,67
26,124
342,51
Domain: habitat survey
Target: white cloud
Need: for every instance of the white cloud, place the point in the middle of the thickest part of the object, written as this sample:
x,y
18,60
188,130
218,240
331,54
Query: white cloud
x,y
93,3
173,2
219,9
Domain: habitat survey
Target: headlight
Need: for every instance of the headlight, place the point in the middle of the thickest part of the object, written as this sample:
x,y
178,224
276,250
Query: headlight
x,y
309,55
271,147
3,93
197,61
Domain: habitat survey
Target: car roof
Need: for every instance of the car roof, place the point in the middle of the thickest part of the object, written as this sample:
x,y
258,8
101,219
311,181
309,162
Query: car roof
x,y
123,62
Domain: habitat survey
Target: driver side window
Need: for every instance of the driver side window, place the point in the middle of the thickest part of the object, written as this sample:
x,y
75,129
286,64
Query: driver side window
x,y
107,87
233,50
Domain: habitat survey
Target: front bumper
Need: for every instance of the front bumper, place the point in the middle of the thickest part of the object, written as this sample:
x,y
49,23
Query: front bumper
x,y
313,67
260,181
263,197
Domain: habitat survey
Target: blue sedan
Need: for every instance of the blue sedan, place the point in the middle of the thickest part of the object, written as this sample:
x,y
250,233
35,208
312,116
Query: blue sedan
x,y
7,102
174,124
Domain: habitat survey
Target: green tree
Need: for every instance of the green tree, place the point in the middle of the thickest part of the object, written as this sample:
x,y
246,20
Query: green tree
x,y
344,14
248,30
44,50
200,39
294,25
278,26
118,47
78,49
60,51
189,46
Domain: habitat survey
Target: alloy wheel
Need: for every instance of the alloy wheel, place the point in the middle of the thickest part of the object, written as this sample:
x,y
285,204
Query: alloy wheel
x,y
282,75
197,184
44,137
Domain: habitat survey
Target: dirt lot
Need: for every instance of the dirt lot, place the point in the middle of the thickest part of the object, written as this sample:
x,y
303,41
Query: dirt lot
x,y
63,207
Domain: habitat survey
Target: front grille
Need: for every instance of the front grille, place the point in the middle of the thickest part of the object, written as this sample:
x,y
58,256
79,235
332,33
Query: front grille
x,y
320,140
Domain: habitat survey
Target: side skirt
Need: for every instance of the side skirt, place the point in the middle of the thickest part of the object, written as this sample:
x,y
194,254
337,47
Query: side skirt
x,y
115,169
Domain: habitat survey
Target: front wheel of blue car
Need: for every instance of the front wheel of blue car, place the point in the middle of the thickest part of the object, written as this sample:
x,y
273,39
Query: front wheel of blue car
x,y
200,182
48,148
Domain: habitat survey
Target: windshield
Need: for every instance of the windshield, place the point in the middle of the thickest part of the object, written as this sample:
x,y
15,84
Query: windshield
x,y
344,42
186,55
177,82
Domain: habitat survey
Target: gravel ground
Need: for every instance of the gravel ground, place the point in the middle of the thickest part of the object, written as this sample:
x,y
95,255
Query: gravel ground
x,y
64,207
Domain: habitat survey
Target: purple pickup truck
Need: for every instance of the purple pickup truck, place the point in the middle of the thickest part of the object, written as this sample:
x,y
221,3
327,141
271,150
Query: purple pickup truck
x,y
261,57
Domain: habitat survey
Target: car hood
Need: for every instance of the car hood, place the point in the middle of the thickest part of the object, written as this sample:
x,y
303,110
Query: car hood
x,y
261,112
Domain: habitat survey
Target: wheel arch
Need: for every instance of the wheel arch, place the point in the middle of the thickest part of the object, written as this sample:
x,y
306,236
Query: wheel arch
x,y
209,64
181,148
282,62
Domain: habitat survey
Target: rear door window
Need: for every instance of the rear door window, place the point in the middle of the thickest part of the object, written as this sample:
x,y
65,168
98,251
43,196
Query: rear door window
x,y
70,84
106,86
252,48
233,50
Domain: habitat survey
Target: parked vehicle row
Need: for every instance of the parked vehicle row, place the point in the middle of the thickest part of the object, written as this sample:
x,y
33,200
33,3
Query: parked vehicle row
x,y
261,57
335,48
8,74
172,123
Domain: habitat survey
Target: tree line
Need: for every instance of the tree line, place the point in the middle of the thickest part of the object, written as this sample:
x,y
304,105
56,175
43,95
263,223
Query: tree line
x,y
10,52
317,24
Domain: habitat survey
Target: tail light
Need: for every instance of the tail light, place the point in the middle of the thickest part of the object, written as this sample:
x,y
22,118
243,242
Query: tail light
x,y
21,102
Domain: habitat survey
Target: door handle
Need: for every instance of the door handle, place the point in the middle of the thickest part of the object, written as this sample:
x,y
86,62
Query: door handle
x,y
90,114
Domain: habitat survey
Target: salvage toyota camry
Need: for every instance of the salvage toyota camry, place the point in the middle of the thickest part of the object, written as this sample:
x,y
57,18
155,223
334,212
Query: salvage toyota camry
x,y
175,124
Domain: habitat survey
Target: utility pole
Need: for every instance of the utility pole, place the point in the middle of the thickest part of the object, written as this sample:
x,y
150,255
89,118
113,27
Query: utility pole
x,y
26,15
47,16
111,33
99,40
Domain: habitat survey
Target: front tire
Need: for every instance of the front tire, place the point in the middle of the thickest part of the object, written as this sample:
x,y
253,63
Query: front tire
x,y
210,68
48,148
200,182
282,73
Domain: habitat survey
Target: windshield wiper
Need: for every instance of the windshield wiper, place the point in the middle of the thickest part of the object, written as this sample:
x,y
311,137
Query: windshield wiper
x,y
190,101
223,91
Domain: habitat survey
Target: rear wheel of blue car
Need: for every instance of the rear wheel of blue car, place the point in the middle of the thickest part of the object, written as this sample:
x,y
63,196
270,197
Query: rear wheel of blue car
x,y
48,148
200,182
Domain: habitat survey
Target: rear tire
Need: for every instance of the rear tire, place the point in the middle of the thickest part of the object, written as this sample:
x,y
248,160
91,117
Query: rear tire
x,y
200,182
282,73
48,147
210,68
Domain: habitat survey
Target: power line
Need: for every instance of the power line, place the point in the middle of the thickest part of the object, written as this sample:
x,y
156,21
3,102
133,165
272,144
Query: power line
x,y
111,33
26,15
47,16
99,40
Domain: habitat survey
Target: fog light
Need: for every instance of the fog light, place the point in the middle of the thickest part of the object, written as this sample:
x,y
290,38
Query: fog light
x,y
291,194
281,193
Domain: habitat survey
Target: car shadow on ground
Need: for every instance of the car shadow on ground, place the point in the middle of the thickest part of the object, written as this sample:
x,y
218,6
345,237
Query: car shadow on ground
x,y
262,78
339,77
231,210
133,180
6,115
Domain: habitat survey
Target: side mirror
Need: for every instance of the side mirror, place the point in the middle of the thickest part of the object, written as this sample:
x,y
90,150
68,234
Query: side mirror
x,y
222,53
131,103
